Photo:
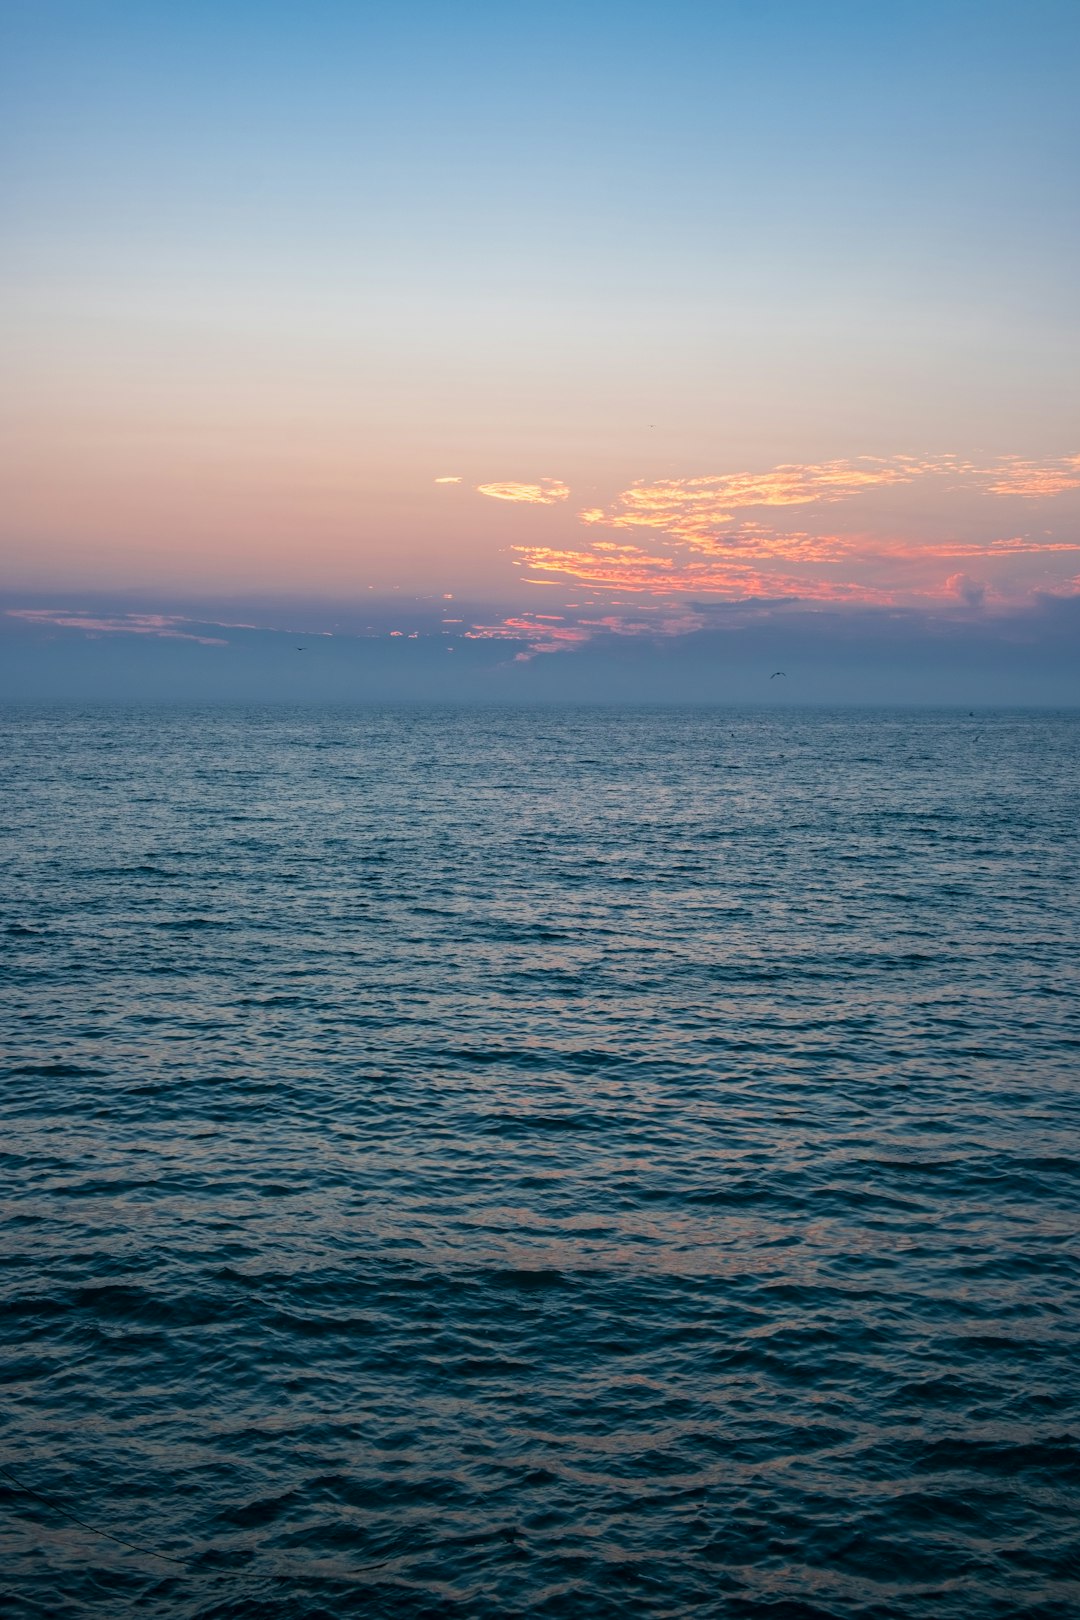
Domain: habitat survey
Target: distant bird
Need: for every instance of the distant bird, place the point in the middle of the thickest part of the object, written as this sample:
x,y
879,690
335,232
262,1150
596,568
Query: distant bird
x,y
301,649
777,672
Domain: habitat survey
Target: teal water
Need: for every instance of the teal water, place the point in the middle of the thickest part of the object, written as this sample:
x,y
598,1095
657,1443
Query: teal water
x,y
572,1162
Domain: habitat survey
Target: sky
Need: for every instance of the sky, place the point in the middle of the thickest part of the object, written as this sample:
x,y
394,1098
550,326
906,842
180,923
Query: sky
x,y
580,349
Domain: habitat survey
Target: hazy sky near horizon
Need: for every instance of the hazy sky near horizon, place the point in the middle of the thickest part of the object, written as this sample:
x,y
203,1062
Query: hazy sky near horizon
x,y
581,313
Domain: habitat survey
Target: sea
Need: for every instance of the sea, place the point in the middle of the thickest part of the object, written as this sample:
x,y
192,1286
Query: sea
x,y
559,1161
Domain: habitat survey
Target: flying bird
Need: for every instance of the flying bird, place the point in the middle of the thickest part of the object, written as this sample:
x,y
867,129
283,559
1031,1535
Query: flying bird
x,y
777,672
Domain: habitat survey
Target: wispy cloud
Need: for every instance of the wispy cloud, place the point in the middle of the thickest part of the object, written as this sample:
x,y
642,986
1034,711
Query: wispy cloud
x,y
699,510
452,480
1033,478
612,566
543,632
758,566
758,542
133,624
694,508
1014,546
545,493
549,633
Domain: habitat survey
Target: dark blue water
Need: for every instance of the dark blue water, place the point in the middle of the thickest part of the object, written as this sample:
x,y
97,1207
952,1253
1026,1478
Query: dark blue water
x,y
558,1162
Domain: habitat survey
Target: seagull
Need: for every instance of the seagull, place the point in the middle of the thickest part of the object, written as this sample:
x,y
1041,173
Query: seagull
x,y
775,673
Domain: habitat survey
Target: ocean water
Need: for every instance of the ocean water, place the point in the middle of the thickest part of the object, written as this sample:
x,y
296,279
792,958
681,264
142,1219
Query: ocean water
x,y
557,1162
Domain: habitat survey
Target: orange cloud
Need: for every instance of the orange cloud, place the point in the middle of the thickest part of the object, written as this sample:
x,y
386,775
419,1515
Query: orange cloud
x,y
629,568
1016,546
710,540
1032,478
754,540
545,493
694,508
697,510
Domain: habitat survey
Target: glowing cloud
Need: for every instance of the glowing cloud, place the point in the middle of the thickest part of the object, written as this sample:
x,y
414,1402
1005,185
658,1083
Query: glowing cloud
x,y
1016,546
448,480
545,493
1032,478
697,510
694,508
706,547
755,541
632,569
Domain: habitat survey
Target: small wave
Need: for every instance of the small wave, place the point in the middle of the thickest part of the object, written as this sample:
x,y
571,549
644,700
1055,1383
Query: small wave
x,y
58,1070
193,924
1057,1456
512,1124
528,1281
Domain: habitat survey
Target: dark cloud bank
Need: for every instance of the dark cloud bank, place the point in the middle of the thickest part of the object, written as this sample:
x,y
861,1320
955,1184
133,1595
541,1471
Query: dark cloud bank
x,y
870,656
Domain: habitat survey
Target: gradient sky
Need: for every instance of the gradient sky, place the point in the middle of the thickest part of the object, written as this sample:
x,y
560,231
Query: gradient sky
x,y
599,321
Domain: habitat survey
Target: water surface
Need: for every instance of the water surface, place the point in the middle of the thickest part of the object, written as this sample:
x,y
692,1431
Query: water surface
x,y
572,1162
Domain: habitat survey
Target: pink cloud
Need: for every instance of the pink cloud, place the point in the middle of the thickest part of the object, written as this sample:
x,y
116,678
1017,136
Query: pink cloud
x,y
705,545
698,510
536,629
632,569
